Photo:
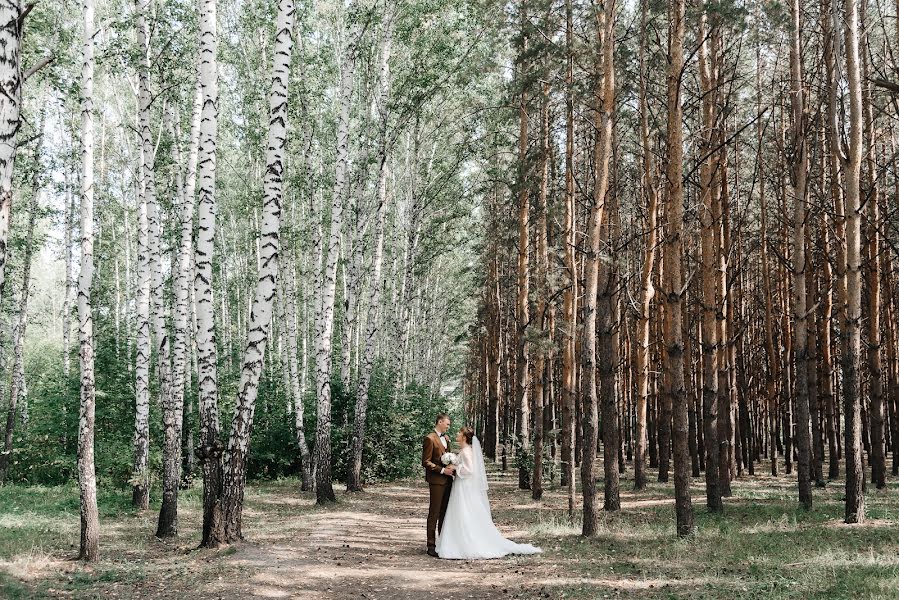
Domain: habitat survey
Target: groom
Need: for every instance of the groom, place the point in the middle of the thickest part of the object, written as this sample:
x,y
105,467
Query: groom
x,y
439,478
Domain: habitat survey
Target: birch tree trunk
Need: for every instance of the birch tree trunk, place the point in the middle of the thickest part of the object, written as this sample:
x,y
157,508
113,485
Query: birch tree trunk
x,y
210,451
12,17
287,296
322,453
147,220
69,283
17,378
87,479
259,324
354,472
173,416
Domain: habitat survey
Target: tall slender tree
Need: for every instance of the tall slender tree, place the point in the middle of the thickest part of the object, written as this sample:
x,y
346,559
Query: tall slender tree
x,y
173,414
673,269
851,167
13,18
354,473
89,549
210,451
522,307
799,176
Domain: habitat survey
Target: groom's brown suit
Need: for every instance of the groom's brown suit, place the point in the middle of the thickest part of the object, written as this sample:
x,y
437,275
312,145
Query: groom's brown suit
x,y
439,484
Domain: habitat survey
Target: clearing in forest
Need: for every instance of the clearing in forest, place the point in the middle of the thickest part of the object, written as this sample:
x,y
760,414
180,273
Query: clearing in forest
x,y
372,545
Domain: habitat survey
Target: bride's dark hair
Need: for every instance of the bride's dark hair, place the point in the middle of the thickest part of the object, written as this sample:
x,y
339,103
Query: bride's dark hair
x,y
468,432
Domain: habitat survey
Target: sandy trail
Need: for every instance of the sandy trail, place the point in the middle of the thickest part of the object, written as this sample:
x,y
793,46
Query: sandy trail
x,y
371,545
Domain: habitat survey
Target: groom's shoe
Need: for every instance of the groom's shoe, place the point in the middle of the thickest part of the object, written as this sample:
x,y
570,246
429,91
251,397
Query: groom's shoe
x,y
432,552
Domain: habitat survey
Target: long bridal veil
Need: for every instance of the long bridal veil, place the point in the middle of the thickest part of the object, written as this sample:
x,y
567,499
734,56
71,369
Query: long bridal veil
x,y
480,470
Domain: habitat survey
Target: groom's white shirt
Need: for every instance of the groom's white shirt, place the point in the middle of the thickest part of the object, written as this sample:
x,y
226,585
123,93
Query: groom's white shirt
x,y
442,441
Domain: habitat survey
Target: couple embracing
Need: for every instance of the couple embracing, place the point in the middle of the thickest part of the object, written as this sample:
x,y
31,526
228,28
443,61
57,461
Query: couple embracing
x,y
459,509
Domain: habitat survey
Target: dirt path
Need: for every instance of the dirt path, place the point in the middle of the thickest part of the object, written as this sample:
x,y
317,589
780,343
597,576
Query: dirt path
x,y
371,545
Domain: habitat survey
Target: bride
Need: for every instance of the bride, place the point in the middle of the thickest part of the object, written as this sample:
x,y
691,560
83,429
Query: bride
x,y
468,530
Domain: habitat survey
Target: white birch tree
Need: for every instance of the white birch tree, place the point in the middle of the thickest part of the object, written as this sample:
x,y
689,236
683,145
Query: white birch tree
x,y
267,279
174,412
211,447
325,319
354,472
87,479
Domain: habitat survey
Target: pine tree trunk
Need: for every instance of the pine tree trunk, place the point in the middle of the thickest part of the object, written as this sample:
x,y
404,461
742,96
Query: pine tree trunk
x,y
773,364
608,358
800,313
522,309
87,479
851,166
541,376
673,257
605,106
650,193
709,179
569,364
877,454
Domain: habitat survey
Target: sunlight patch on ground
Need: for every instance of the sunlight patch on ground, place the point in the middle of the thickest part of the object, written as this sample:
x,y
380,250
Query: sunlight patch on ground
x,y
837,558
868,524
623,584
33,520
784,523
31,567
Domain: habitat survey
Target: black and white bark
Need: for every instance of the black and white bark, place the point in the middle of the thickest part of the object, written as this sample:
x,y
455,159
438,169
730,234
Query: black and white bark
x,y
325,318
17,388
173,411
147,214
210,450
11,23
87,479
354,473
260,318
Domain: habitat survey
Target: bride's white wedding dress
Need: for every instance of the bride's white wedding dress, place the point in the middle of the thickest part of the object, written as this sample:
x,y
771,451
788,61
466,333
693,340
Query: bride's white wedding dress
x,y
468,530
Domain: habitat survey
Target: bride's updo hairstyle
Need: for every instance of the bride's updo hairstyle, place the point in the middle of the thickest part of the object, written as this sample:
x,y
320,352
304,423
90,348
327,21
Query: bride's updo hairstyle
x,y
468,432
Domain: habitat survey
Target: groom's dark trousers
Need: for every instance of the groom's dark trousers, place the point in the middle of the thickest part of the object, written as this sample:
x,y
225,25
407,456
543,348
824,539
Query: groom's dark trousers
x,y
439,485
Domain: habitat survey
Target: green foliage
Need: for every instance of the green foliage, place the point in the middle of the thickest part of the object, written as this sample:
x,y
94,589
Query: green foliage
x,y
395,425
45,450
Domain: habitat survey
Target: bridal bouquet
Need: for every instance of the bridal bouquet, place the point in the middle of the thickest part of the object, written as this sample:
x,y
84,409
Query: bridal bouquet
x,y
448,458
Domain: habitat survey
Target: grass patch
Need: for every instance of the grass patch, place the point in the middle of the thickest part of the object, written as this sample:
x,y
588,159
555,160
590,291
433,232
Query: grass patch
x,y
763,546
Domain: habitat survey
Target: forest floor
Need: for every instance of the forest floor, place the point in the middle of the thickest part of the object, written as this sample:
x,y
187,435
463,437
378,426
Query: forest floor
x,y
371,545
